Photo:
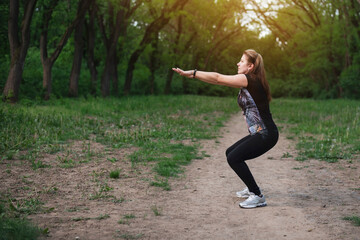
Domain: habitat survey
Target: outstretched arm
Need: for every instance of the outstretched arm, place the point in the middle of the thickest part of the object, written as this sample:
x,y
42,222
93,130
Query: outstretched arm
x,y
235,81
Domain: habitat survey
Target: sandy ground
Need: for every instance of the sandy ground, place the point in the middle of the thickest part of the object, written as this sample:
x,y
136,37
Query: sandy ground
x,y
306,200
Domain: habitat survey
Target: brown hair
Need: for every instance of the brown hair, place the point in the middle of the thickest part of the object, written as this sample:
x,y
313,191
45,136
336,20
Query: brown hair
x,y
259,69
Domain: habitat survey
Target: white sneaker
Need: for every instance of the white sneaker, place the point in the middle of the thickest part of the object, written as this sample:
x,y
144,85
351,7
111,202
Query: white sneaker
x,y
243,193
253,201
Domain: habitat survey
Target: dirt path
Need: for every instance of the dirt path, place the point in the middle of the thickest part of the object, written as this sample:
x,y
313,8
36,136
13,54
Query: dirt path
x,y
203,206
306,200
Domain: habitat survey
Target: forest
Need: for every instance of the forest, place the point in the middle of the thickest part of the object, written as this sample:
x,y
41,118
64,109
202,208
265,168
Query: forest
x,y
81,48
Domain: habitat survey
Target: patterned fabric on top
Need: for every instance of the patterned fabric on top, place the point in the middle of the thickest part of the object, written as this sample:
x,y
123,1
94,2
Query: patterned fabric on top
x,y
251,113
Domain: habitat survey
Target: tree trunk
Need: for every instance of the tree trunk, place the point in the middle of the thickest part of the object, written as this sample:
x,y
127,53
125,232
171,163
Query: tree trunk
x,y
153,63
47,81
90,50
110,70
110,73
18,49
12,86
78,53
130,69
107,75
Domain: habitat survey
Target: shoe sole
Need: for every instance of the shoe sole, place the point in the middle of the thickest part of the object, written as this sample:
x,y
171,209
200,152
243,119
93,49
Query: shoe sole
x,y
254,206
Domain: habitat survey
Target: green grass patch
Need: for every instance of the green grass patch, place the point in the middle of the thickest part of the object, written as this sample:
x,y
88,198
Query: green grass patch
x,y
14,223
354,219
325,129
156,125
18,229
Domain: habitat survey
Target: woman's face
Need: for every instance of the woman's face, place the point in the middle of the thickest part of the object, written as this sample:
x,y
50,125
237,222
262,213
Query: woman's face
x,y
243,66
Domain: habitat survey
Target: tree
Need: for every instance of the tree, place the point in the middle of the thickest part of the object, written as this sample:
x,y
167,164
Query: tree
x,y
151,32
118,15
48,61
90,37
18,48
316,37
78,53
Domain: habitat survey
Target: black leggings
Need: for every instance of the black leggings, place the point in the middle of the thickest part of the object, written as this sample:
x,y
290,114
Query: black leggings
x,y
247,148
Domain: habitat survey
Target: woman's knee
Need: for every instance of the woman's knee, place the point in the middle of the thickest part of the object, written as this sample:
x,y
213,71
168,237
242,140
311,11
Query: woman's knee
x,y
232,159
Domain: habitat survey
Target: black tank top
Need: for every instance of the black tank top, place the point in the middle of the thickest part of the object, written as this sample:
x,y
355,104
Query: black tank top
x,y
255,105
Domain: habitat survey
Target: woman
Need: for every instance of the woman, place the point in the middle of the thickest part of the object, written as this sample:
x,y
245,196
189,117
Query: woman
x,y
254,97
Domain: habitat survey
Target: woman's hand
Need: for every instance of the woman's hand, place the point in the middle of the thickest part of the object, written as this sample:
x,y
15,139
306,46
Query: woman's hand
x,y
188,74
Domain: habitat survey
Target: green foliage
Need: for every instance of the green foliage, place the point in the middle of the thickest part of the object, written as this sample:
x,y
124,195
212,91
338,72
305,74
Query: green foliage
x,y
304,55
4,13
4,70
349,81
31,85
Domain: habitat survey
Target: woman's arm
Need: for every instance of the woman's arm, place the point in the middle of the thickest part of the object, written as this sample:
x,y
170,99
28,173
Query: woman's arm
x,y
235,81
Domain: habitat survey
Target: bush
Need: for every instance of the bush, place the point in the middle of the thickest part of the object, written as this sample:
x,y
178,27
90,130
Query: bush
x,y
350,82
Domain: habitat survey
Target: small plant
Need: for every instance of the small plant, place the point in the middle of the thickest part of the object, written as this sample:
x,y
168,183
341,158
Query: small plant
x,y
126,218
129,216
299,168
101,217
118,200
38,164
66,162
102,192
156,210
286,155
115,174
113,160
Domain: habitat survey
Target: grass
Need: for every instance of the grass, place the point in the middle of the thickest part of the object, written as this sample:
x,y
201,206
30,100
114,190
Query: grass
x,y
156,125
17,227
327,130
354,219
164,130
125,219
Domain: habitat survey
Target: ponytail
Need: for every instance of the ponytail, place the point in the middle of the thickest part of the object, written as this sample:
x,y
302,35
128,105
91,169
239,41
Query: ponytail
x,y
258,70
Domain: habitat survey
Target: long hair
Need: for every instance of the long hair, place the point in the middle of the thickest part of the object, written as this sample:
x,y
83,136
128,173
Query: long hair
x,y
259,69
